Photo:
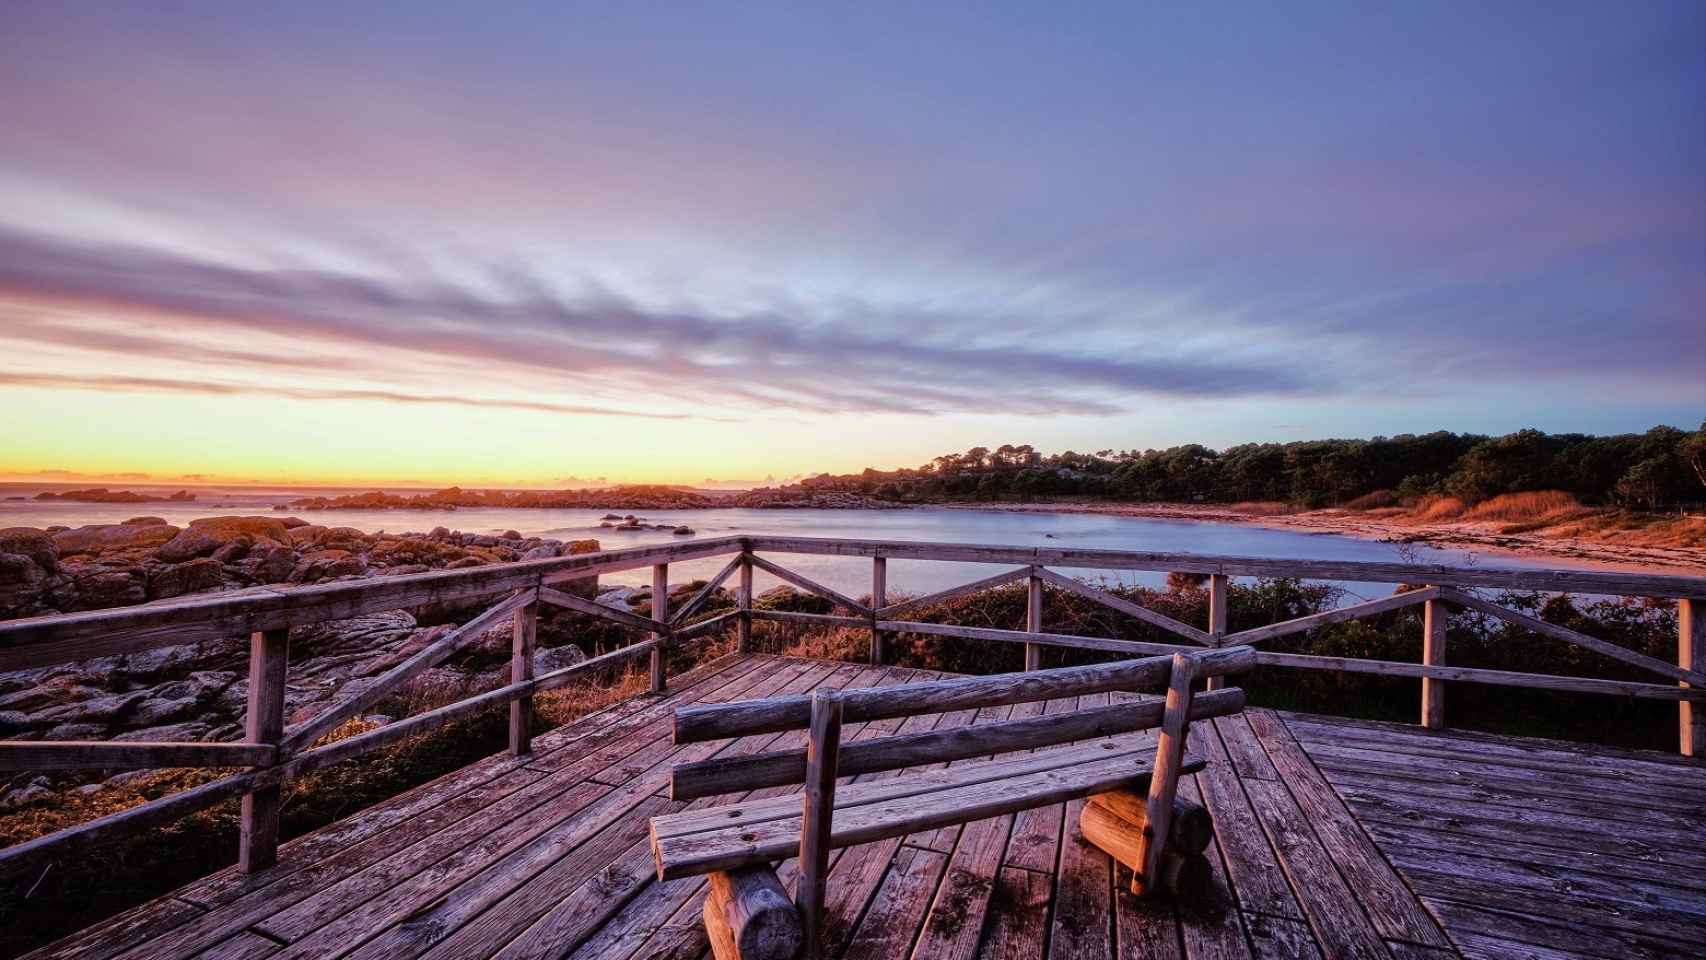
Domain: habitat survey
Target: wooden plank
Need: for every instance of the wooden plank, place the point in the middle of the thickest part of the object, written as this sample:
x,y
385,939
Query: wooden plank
x,y
523,641
809,585
592,608
931,599
1128,647
721,775
879,599
1499,678
706,626
811,619
1277,938
1164,780
61,638
953,928
1329,905
891,923
1489,909
1124,606
1034,842
129,754
786,713
865,813
1033,621
1252,865
743,640
305,734
1384,896
1639,584
1367,608
704,593
1691,656
1081,924
1245,750
269,661
817,821
660,616
1433,655
1567,635
1020,926
1209,924
117,933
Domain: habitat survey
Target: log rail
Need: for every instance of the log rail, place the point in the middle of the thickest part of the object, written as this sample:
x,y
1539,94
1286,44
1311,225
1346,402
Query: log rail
x,y
272,754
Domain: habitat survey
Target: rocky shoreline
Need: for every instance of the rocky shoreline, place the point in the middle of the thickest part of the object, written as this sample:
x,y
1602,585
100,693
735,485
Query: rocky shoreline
x,y
198,692
614,498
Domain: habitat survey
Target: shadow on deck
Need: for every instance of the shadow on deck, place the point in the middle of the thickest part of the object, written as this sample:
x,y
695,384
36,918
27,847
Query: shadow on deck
x,y
1336,838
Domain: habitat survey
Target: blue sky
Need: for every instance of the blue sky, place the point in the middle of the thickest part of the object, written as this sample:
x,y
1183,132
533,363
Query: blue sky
x,y
733,240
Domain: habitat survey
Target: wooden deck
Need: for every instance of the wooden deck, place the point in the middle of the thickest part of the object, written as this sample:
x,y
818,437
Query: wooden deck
x,y
1336,838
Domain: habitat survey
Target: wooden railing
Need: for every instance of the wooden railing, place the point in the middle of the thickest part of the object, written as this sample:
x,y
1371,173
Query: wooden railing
x,y
273,753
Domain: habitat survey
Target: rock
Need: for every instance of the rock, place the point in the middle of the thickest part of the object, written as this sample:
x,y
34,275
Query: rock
x,y
259,529
548,659
38,545
97,710
169,733
151,713
540,553
234,549
292,523
38,791
192,577
144,521
13,722
375,634
188,545
99,538
510,535
683,531
780,592
99,587
465,563
77,731
22,583
271,564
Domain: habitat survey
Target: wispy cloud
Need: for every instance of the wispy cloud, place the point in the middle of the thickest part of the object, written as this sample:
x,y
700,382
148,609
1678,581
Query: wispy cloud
x,y
768,360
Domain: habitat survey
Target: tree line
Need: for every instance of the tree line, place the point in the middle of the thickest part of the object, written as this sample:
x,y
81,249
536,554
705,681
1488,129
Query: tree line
x,y
1660,468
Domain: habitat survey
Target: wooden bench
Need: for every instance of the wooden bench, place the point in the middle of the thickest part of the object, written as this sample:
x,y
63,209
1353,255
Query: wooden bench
x,y
1136,818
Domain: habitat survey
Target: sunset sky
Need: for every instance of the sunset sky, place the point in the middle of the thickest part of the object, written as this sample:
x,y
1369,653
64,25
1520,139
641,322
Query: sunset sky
x,y
551,243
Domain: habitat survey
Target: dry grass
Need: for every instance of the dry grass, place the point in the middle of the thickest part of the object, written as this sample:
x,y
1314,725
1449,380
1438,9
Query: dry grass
x,y
1265,508
1526,507
1435,509
1373,501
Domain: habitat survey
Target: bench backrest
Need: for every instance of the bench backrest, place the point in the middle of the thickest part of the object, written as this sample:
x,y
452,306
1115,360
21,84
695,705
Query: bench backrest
x,y
717,775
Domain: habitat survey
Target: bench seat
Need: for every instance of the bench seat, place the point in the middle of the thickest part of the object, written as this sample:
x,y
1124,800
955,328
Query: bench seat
x,y
766,831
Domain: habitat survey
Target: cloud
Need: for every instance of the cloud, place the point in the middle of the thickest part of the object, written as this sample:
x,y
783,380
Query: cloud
x,y
863,359
220,388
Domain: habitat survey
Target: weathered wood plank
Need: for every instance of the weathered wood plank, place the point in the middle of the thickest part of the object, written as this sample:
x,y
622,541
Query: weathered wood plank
x,y
879,599
1499,678
809,585
269,661
1164,778
1020,927
1637,584
721,775
305,734
817,821
1433,655
591,608
1124,606
1383,894
704,593
892,611
784,713
129,754
1691,656
60,638
1567,635
1367,608
1034,639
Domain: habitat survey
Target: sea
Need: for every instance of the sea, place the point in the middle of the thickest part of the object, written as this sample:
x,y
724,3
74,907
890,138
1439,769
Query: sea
x,y
851,575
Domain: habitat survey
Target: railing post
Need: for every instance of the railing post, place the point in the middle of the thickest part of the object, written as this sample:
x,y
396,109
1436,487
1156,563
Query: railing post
x,y
269,663
1216,620
660,613
1034,620
1691,655
1433,655
817,816
879,599
521,668
743,635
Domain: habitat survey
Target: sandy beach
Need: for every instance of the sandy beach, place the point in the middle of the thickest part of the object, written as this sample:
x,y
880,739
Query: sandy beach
x,y
1623,550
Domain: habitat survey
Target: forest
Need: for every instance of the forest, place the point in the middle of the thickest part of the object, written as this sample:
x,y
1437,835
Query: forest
x,y
1663,468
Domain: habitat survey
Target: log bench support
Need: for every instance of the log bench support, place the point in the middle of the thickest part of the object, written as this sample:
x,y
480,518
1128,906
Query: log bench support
x,y
748,916
1691,655
660,613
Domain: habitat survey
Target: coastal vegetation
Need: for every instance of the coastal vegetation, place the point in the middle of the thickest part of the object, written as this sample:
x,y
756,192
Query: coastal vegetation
x,y
1448,472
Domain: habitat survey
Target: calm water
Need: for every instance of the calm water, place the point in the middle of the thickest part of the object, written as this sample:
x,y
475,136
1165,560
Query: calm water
x,y
848,574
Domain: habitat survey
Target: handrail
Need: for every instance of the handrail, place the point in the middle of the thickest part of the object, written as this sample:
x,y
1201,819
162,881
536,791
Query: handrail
x,y
268,613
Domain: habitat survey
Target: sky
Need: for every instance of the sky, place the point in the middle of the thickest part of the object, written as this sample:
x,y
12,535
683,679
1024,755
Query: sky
x,y
539,244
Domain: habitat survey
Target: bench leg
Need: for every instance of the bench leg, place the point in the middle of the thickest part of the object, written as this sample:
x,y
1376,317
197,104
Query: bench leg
x,y
815,824
1164,780
1186,874
748,916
